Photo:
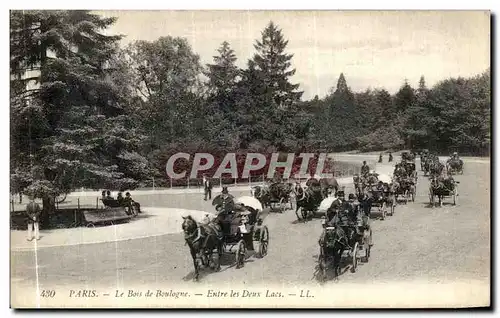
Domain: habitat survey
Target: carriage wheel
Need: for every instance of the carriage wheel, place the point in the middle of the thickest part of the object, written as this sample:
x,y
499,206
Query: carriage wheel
x,y
282,206
322,266
354,258
455,196
263,241
240,254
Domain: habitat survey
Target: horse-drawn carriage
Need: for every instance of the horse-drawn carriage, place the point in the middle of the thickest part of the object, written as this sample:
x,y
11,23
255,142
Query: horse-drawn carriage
x,y
309,199
334,241
432,165
236,226
408,156
441,188
404,186
380,199
276,195
362,182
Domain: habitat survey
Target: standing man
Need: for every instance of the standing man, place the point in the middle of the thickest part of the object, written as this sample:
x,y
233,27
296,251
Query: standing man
x,y
33,212
207,185
390,156
380,158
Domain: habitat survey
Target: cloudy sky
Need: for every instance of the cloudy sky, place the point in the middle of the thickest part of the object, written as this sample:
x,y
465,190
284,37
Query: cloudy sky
x,y
372,48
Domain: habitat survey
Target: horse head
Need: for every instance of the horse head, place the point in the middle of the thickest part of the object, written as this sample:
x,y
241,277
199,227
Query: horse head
x,y
256,192
189,226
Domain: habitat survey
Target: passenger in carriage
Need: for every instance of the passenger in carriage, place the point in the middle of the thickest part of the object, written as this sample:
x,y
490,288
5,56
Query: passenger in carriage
x,y
365,169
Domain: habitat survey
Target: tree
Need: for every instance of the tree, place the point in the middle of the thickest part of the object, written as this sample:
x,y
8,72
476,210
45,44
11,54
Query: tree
x,y
267,103
223,76
73,131
404,98
341,125
459,111
416,126
274,65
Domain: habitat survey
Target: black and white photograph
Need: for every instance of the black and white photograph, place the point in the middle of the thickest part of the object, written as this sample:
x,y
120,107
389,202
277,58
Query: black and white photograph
x,y
250,159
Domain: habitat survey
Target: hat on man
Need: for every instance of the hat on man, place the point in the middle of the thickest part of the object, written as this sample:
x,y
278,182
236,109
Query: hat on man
x,y
224,190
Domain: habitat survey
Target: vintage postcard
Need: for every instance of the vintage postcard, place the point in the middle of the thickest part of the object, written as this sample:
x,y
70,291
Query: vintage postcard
x,y
250,159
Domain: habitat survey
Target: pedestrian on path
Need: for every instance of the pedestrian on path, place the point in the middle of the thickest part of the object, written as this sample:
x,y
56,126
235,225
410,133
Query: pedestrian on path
x,y
207,185
33,211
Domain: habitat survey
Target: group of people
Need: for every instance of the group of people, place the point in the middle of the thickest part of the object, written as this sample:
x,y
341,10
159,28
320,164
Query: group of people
x,y
232,217
390,157
127,201
346,214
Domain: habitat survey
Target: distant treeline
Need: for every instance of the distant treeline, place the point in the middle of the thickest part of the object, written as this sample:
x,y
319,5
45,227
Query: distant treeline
x,y
109,117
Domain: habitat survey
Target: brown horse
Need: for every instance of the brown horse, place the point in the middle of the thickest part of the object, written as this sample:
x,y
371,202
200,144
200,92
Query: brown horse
x,y
202,241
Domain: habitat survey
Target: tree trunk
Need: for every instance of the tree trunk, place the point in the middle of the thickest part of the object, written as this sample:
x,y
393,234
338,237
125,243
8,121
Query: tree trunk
x,y
49,206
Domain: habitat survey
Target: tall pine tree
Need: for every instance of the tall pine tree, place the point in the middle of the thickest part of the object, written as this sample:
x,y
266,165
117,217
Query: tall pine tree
x,y
73,129
274,65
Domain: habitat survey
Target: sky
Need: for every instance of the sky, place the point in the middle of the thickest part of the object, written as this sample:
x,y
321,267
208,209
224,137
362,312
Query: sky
x,y
374,49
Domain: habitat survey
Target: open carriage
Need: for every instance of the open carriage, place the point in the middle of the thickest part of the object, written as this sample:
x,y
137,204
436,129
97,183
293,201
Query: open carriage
x,y
405,187
280,196
443,188
359,241
276,196
308,199
378,200
411,170
455,166
407,156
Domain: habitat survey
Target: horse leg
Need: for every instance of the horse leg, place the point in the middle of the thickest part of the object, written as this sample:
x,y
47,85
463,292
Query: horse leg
x,y
337,258
220,247
297,207
304,214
